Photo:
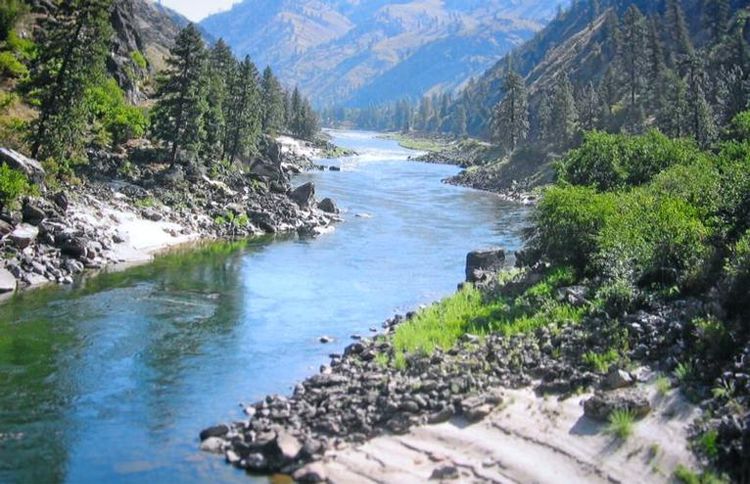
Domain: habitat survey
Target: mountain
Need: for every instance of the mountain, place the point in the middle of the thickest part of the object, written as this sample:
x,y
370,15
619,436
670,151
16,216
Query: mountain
x,y
354,52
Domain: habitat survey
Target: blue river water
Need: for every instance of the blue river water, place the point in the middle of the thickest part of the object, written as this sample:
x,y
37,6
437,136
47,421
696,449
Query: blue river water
x,y
112,379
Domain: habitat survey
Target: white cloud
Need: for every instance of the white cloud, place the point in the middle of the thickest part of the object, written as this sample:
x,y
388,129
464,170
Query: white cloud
x,y
197,10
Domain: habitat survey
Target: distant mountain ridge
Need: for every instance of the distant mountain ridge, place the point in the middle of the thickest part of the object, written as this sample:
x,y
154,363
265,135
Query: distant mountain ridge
x,y
353,52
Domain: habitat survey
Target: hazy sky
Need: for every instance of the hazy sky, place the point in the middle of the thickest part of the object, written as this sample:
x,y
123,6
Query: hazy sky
x,y
198,9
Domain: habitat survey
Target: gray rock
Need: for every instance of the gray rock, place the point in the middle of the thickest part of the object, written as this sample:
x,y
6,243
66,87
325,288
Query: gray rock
x,y
213,445
617,378
72,245
5,228
29,167
445,472
8,282
289,446
304,195
217,431
602,404
310,473
325,339
24,235
32,213
61,200
327,205
482,261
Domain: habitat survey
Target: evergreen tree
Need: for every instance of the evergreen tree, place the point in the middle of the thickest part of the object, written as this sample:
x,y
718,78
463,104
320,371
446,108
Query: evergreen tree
x,y
656,62
544,117
564,113
221,70
732,93
460,122
716,15
702,124
244,120
511,116
612,35
634,53
295,120
672,113
73,49
590,108
181,95
273,102
679,36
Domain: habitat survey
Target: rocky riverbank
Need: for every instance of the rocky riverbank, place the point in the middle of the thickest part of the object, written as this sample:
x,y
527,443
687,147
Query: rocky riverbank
x,y
124,209
366,395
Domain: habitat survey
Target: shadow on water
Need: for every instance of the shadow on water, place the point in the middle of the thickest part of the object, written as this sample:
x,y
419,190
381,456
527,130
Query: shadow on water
x,y
59,350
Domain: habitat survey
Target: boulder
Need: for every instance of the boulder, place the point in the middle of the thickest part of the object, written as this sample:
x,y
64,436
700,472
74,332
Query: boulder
x,y
29,167
70,244
310,473
8,282
61,200
32,213
217,431
266,170
602,404
24,235
304,195
214,445
327,205
617,378
288,447
5,228
481,262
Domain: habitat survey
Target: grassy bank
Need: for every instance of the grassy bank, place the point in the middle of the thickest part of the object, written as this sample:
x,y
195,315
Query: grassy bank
x,y
419,143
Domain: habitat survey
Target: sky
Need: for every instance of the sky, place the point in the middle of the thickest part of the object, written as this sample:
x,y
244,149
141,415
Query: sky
x,y
197,10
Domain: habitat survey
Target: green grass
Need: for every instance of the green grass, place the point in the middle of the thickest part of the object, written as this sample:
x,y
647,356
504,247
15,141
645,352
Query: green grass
x,y
621,424
601,362
663,385
684,372
467,312
707,443
419,144
687,476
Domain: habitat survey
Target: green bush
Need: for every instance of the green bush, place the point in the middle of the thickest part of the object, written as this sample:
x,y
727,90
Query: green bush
x,y
13,184
567,221
737,277
120,121
613,161
138,59
10,66
658,239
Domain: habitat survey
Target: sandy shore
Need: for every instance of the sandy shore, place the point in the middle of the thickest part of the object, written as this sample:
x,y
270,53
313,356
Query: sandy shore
x,y
527,439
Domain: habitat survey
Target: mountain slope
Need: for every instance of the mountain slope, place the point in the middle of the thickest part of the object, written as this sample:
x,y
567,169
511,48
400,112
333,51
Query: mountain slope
x,y
356,53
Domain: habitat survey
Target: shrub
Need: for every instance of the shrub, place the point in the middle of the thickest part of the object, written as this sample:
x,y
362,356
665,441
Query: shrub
x,y
121,121
13,184
567,221
10,10
10,66
138,59
601,362
737,277
613,161
660,238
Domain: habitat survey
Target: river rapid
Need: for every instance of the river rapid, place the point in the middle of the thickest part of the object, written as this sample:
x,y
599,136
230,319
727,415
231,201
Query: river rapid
x,y
112,379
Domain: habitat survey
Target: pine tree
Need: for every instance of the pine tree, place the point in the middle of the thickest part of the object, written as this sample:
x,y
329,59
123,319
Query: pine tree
x,y
634,53
511,115
679,36
656,62
295,122
244,120
564,113
732,93
460,122
72,54
702,124
273,102
221,70
716,15
590,108
544,117
672,113
181,95
612,35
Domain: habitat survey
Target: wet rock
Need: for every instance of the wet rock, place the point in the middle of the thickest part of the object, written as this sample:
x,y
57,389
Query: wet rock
x,y
325,339
71,244
441,416
213,445
327,205
602,404
24,235
310,473
480,262
29,167
304,195
8,282
334,168
216,431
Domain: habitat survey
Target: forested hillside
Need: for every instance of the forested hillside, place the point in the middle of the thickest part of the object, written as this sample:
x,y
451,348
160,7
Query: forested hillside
x,y
677,65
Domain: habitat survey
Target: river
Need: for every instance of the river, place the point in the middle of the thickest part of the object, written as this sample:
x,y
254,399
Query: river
x,y
112,379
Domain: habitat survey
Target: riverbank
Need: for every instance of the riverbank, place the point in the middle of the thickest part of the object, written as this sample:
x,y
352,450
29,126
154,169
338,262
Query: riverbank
x,y
517,178
119,212
522,368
